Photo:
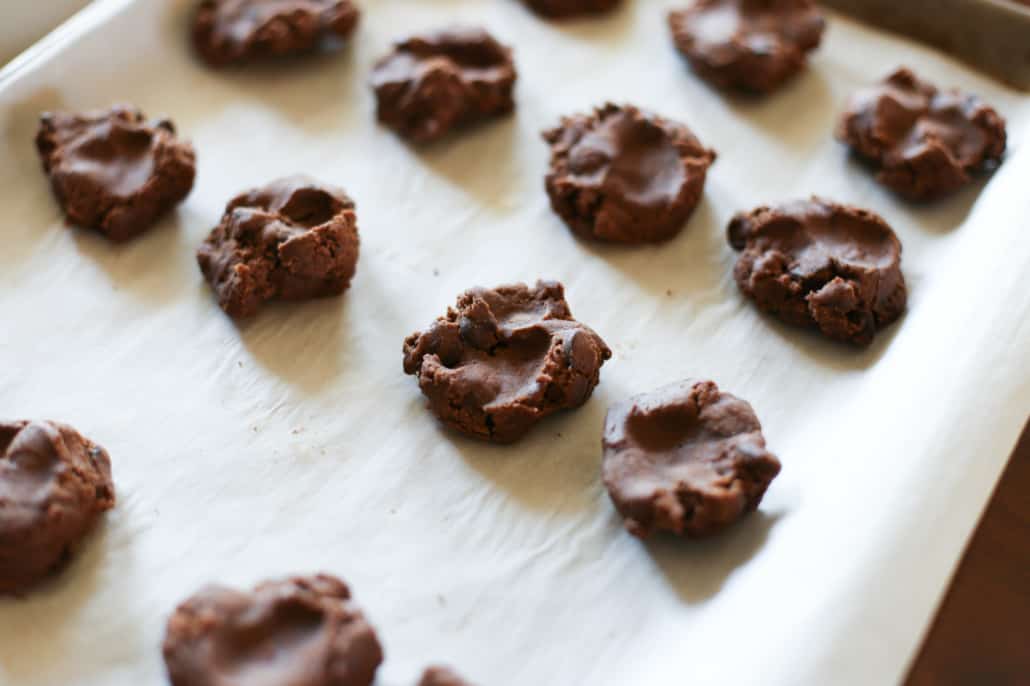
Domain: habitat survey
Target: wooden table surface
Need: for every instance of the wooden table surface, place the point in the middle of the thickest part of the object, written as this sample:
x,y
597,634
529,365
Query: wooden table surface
x,y
981,635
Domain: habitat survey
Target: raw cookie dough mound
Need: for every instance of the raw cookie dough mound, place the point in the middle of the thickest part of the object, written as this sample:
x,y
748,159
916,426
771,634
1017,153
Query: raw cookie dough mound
x,y
293,239
441,676
433,84
503,359
54,485
232,31
304,631
925,144
818,264
113,171
564,9
686,458
749,45
623,175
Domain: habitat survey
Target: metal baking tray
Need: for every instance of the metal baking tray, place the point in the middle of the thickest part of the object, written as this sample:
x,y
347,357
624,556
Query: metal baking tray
x,y
294,443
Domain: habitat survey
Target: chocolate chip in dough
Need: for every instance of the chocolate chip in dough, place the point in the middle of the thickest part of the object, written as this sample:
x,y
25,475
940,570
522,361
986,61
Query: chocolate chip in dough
x,y
748,45
294,239
436,83
924,143
236,31
54,485
623,175
114,171
686,458
503,359
567,9
821,265
303,631
441,676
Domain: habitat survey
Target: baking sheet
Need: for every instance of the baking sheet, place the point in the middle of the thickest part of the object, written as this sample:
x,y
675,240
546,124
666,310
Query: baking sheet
x,y
26,21
294,443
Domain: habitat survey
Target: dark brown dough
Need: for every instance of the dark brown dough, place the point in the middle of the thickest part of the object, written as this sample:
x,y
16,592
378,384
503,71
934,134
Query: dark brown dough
x,y
818,264
293,239
623,175
749,45
503,359
435,83
925,144
686,458
113,171
564,9
441,676
54,485
232,31
304,631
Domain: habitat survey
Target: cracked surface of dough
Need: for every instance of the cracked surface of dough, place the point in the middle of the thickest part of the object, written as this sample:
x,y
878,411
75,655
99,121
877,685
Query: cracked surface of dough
x,y
822,265
503,359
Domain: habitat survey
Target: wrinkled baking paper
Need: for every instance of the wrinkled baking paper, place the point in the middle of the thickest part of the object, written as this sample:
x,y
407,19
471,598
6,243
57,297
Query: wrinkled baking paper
x,y
294,443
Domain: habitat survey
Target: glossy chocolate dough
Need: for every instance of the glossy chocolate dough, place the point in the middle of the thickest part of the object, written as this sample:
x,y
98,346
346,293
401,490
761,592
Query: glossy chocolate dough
x,y
433,84
441,676
687,458
54,484
293,239
818,264
623,175
503,359
749,45
565,9
303,631
925,144
232,31
113,171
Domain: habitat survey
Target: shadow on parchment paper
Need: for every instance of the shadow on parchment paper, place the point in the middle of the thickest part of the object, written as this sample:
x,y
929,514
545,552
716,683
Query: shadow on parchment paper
x,y
799,116
299,342
147,267
604,29
319,91
832,354
479,161
937,216
697,570
35,630
688,263
22,170
142,266
554,469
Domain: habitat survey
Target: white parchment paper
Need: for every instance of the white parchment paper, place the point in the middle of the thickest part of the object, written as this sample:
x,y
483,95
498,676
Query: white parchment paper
x,y
294,443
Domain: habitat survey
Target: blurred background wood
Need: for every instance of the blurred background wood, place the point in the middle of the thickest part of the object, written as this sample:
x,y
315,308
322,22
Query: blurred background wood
x,y
981,635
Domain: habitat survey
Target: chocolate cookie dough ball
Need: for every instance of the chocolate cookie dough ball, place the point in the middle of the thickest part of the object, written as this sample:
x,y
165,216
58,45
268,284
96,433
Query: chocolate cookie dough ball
x,y
441,676
294,239
503,359
304,631
436,83
821,265
54,485
924,143
687,458
623,175
114,171
234,31
565,9
749,45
